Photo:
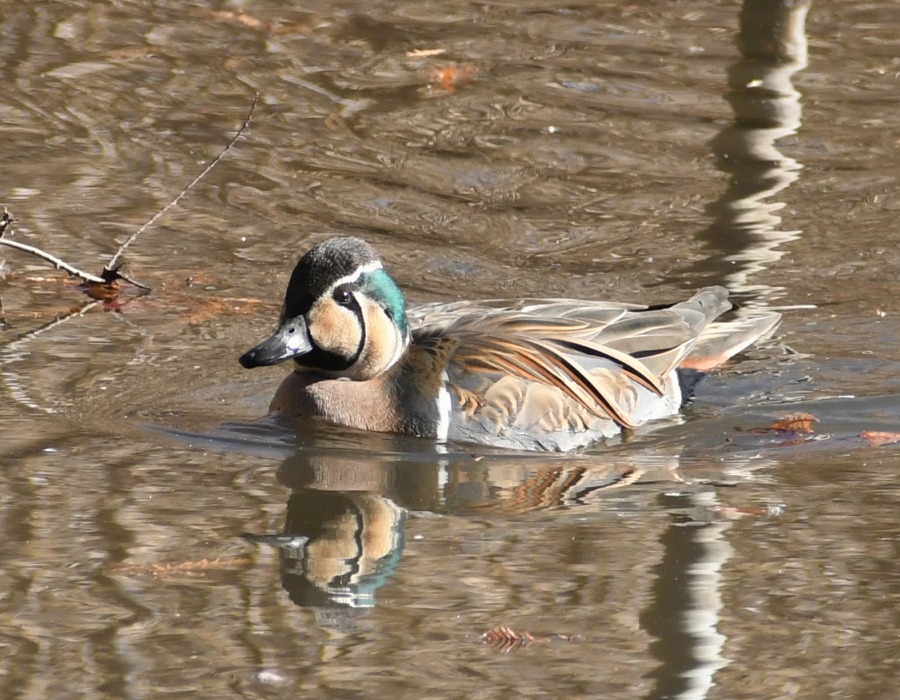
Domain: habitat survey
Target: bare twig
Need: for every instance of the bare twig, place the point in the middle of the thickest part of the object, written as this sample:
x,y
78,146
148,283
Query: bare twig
x,y
137,284
44,255
111,269
111,272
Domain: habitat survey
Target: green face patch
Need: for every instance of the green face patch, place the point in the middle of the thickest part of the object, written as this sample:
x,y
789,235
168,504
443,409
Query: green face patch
x,y
381,288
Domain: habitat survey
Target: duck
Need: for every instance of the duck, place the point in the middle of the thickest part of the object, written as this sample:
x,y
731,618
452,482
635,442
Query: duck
x,y
525,374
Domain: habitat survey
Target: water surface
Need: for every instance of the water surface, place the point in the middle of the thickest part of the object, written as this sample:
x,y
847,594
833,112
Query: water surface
x,y
159,539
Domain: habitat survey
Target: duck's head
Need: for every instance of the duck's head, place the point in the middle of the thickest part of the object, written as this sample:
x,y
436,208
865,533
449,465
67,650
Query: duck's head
x,y
343,315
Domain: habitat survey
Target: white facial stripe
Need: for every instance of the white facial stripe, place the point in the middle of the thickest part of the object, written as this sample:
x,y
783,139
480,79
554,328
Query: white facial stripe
x,y
443,407
359,272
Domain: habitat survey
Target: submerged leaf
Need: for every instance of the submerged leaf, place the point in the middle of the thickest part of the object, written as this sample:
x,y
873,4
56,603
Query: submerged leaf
x,y
506,638
452,76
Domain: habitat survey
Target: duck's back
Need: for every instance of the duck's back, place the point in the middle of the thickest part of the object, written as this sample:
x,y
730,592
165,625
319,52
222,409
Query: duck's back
x,y
557,374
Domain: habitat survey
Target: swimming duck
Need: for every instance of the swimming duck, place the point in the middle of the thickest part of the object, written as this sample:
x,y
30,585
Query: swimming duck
x,y
534,374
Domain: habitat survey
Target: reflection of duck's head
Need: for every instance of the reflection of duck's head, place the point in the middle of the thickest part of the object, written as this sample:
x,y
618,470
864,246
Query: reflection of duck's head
x,y
337,548
551,374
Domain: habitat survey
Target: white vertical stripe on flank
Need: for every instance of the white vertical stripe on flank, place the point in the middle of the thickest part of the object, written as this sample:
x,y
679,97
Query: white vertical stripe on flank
x,y
443,407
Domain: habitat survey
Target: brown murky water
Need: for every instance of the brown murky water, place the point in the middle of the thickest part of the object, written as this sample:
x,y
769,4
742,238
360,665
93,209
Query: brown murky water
x,y
590,149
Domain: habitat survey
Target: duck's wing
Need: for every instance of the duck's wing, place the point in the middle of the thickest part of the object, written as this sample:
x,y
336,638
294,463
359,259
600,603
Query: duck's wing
x,y
597,356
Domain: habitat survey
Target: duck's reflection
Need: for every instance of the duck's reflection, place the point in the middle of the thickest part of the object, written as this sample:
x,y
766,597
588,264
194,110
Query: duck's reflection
x,y
343,532
343,535
337,547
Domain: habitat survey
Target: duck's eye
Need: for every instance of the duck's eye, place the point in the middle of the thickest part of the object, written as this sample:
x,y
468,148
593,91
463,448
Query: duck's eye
x,y
342,296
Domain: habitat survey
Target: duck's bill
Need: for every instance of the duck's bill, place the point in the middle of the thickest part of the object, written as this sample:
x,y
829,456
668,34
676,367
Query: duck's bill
x,y
289,341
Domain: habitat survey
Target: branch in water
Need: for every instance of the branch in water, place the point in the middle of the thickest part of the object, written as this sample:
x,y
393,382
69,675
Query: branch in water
x,y
110,272
5,222
111,269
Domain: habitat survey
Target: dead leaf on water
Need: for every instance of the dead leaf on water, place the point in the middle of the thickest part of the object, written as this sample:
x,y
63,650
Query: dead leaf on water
x,y
795,423
791,423
791,429
239,18
108,291
877,438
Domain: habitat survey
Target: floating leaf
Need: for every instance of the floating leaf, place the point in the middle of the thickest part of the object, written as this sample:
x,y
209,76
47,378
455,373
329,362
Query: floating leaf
x,y
795,423
107,291
876,438
791,423
246,21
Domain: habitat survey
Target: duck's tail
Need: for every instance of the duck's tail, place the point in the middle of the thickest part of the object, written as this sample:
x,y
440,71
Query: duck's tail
x,y
722,340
